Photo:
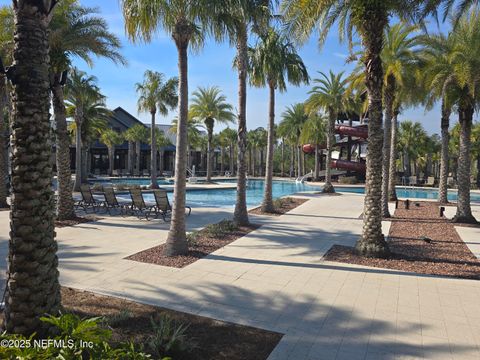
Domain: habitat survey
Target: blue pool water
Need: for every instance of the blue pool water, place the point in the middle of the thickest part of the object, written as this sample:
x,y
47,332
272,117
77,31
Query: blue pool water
x,y
227,197
412,193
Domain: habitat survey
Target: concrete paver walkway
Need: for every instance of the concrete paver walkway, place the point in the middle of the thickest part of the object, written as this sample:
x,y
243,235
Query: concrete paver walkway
x,y
274,278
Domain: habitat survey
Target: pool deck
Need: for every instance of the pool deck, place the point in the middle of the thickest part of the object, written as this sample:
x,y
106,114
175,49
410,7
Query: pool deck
x,y
274,278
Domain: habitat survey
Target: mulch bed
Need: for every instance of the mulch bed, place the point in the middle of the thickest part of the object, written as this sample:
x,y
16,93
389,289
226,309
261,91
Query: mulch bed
x,y
202,246
446,254
212,339
286,205
75,221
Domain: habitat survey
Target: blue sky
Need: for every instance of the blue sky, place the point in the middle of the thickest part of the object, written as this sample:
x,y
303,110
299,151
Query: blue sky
x,y
213,66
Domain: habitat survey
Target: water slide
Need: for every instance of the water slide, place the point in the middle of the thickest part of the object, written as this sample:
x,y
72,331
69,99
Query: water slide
x,y
355,131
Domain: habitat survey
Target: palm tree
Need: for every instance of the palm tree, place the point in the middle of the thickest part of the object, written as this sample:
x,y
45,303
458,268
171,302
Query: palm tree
x,y
181,19
137,135
410,138
80,90
75,31
193,135
369,19
233,19
315,131
272,63
32,288
230,138
111,138
437,78
476,149
329,95
210,106
293,120
156,94
6,49
160,142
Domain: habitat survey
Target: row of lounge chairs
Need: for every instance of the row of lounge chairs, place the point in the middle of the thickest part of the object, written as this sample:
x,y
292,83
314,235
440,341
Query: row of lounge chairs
x,y
108,201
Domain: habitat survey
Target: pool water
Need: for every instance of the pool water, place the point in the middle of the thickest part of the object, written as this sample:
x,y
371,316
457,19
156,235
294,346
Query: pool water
x,y
226,198
412,193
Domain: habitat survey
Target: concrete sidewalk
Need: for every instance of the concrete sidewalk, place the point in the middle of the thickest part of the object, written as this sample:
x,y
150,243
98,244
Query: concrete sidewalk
x,y
274,278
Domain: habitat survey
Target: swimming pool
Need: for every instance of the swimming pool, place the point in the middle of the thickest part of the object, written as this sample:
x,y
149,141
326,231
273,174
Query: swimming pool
x,y
411,193
226,198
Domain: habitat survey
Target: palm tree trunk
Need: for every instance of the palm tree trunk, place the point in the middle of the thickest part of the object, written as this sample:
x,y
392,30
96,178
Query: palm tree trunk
x,y
65,209
111,159
32,288
372,241
78,150
328,187
267,204
299,160
464,211
209,152
3,145
222,157
138,151
292,160
392,192
254,164
317,170
283,159
478,171
442,186
85,163
130,156
176,241
161,161
240,215
232,170
387,138
153,155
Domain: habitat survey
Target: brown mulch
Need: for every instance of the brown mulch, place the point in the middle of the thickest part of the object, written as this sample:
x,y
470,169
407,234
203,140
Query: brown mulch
x,y
286,205
443,252
211,339
202,246
75,221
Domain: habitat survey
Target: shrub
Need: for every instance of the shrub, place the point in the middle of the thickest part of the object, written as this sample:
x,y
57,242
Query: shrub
x,y
72,330
281,202
168,337
349,180
220,229
192,238
119,317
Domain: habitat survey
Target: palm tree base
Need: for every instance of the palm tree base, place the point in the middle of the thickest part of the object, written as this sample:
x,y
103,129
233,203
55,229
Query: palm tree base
x,y
392,197
386,215
153,186
268,208
328,188
465,219
377,248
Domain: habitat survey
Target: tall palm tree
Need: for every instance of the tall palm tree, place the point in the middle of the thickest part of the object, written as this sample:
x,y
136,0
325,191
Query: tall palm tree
x,y
293,120
369,19
32,288
193,135
437,77
209,106
156,94
315,131
230,137
80,90
234,20
111,138
182,20
75,32
330,95
136,135
273,62
6,50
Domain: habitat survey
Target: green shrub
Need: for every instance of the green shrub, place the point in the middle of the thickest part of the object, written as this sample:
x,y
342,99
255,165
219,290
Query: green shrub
x,y
281,202
119,317
220,229
168,337
79,339
192,238
348,180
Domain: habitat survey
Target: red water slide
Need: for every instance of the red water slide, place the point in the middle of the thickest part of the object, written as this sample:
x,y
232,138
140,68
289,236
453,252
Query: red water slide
x,y
349,165
357,131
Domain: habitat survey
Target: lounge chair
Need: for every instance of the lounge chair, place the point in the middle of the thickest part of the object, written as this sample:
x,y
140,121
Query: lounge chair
x,y
88,200
163,206
430,181
139,207
112,203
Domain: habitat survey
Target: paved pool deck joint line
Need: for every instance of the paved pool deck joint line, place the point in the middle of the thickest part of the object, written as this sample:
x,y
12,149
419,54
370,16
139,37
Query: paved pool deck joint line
x,y
274,278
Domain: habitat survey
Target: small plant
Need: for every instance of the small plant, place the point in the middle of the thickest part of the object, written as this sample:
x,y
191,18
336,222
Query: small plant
x,y
192,238
122,316
282,202
168,337
220,229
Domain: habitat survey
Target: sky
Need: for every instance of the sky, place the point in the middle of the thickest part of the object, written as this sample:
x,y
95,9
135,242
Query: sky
x,y
213,66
